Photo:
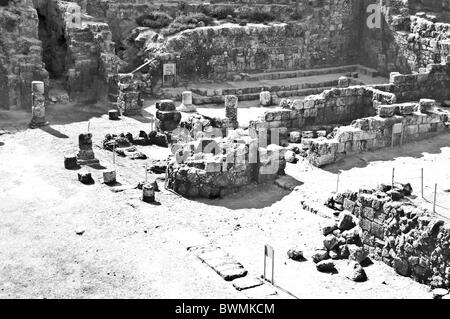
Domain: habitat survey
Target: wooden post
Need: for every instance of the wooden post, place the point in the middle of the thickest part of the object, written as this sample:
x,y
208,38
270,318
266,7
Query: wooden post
x,y
434,201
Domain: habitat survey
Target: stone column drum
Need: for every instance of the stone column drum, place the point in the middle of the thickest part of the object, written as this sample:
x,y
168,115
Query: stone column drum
x,y
186,104
38,104
168,116
231,109
86,154
148,193
265,98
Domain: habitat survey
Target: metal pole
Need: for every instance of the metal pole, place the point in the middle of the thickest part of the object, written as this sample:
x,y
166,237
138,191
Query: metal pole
x,y
393,177
265,256
421,177
273,268
146,173
89,126
434,202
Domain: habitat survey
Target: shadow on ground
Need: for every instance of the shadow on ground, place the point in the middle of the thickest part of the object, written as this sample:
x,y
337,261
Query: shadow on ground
x,y
256,197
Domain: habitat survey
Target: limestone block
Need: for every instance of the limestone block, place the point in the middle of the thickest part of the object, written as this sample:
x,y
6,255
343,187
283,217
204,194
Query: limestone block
x,y
387,110
295,137
427,105
265,98
407,108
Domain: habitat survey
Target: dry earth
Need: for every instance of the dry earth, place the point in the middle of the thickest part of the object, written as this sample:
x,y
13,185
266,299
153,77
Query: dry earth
x,y
128,250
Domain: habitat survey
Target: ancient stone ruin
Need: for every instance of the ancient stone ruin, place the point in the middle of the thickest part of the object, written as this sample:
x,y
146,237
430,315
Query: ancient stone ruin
x,y
235,104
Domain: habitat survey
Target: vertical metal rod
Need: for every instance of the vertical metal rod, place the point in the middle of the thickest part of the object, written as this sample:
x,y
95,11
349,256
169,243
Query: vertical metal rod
x,y
146,173
89,126
421,178
392,183
273,268
265,255
434,202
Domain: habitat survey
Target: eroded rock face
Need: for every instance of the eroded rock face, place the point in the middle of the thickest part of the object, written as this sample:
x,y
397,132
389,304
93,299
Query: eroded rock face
x,y
20,54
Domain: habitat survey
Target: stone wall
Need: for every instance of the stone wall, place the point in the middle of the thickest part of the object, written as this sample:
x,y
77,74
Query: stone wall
x,y
396,124
327,37
403,43
213,168
413,241
334,106
431,5
20,54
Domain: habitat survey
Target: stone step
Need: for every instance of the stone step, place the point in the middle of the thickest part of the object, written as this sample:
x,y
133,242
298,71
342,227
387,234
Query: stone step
x,y
219,99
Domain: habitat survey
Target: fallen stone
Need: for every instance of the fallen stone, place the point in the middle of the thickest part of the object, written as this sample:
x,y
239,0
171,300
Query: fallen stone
x,y
401,267
346,221
246,283
70,162
290,157
344,252
85,178
326,266
109,177
356,253
354,271
295,254
334,254
330,242
329,228
320,255
231,272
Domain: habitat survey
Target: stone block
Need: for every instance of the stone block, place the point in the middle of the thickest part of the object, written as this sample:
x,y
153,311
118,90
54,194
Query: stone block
x,y
386,110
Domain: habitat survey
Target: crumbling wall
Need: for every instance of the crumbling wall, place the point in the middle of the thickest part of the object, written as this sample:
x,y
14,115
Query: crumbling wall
x,y
402,42
404,124
325,37
430,5
334,106
20,54
413,241
212,168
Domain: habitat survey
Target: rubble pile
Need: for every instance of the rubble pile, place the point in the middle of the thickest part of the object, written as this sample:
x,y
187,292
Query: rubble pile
x,y
410,239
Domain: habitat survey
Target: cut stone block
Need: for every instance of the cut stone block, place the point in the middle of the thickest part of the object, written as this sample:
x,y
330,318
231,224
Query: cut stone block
x,y
386,110
113,115
265,98
246,283
85,178
70,162
427,105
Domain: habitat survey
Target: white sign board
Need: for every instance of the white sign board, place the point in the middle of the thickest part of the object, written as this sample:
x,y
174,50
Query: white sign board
x,y
169,69
397,128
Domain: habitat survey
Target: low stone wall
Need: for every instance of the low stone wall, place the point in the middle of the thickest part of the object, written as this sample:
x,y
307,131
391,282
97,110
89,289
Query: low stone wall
x,y
396,124
411,240
212,168
334,106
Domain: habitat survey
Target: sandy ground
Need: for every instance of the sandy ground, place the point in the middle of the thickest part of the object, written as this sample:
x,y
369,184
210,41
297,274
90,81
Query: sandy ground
x,y
128,250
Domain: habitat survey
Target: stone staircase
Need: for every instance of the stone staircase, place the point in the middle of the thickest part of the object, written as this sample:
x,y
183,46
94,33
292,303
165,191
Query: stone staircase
x,y
285,84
